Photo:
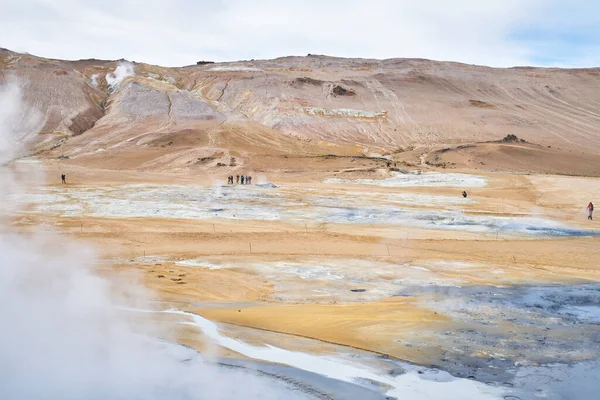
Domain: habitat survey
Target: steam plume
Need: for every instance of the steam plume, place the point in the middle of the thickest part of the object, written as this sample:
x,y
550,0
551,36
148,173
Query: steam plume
x,y
123,70
62,336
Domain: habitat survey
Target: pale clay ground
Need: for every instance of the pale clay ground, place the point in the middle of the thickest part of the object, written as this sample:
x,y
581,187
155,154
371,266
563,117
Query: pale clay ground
x,y
280,260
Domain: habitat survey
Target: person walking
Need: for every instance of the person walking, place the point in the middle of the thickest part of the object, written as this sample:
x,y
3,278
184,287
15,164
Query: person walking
x,y
590,209
242,179
64,179
464,193
249,180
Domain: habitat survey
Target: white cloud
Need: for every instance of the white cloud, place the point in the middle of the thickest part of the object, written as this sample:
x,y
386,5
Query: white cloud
x,y
183,31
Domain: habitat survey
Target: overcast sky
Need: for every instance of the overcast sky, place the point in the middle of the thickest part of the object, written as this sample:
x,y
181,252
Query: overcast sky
x,y
181,32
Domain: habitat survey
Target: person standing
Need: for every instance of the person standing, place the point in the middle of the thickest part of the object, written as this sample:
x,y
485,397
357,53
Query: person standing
x,y
590,209
242,179
237,179
64,179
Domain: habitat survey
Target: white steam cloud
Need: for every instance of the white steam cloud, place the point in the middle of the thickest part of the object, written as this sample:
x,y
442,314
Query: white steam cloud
x,y
63,336
123,70
17,124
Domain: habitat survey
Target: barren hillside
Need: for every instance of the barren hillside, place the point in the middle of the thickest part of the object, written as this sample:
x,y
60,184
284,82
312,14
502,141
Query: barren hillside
x,y
112,115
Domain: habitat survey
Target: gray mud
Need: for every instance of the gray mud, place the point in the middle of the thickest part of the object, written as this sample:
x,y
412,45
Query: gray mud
x,y
501,334
575,381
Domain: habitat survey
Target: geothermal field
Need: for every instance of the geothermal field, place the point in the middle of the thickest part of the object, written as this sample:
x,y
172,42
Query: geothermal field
x,y
396,288
339,273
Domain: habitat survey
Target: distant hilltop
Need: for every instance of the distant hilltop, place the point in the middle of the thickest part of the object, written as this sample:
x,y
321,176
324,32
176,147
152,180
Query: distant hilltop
x,y
302,105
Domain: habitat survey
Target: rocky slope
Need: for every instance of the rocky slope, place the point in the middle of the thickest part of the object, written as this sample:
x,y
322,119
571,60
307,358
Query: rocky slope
x,y
138,116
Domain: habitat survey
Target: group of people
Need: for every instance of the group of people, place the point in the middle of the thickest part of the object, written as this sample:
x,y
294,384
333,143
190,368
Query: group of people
x,y
239,179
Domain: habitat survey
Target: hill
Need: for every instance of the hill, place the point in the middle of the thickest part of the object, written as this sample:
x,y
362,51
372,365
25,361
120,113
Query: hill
x,y
120,115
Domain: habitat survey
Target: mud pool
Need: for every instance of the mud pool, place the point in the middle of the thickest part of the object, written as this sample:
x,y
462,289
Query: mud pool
x,y
269,203
517,326
347,373
378,378
416,179
510,329
525,340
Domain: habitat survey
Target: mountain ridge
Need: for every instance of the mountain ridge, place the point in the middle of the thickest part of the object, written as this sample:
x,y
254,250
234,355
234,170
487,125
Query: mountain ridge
x,y
299,105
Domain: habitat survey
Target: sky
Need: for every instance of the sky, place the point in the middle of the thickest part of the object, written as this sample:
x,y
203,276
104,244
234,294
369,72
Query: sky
x,y
180,32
